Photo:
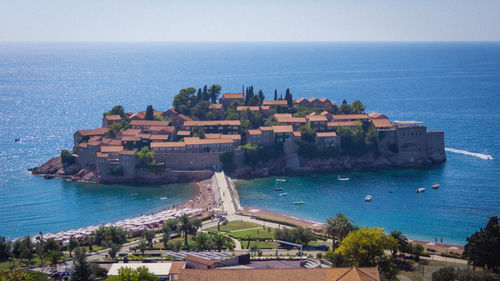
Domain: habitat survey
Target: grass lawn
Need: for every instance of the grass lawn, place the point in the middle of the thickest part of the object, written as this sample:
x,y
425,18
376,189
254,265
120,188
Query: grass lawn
x,y
254,233
234,225
260,244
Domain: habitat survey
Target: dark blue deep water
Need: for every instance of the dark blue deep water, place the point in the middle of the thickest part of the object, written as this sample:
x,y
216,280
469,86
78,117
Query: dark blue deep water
x,y
49,90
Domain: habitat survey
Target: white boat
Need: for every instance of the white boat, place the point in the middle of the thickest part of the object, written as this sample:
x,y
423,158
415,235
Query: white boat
x,y
281,180
163,198
298,202
283,194
278,189
435,186
420,190
340,178
368,198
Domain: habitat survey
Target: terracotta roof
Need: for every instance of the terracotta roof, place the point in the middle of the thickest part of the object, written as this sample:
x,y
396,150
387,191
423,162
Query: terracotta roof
x,y
244,108
275,102
282,115
159,137
127,152
200,260
93,132
323,100
95,138
144,136
382,123
324,113
231,137
264,107
196,141
172,110
285,274
317,118
139,115
106,149
215,106
233,96
177,267
82,144
113,117
326,134
184,117
283,129
299,100
168,129
350,117
375,115
148,123
99,154
167,144
266,128
212,123
131,132
255,132
183,133
292,120
342,124
130,138
297,134
312,99
111,142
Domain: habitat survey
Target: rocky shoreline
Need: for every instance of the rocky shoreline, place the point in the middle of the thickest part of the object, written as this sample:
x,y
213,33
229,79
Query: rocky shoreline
x,y
55,168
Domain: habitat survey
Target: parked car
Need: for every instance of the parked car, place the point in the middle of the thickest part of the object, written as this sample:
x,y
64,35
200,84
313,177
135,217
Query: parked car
x,y
322,247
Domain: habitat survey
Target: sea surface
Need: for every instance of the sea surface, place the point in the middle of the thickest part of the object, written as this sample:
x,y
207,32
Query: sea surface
x,y
49,90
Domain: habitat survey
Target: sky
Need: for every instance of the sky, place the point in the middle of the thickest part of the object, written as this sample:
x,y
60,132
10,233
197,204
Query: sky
x,y
257,20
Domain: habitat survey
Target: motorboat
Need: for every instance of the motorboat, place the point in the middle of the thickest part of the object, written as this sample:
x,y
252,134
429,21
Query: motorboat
x,y
341,178
278,189
163,198
284,194
435,186
17,140
298,202
391,191
281,180
420,190
368,198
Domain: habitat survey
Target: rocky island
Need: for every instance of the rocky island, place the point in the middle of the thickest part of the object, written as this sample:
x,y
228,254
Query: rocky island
x,y
244,134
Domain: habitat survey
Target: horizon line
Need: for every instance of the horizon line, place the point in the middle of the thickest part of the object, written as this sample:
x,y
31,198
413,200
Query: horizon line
x,y
260,41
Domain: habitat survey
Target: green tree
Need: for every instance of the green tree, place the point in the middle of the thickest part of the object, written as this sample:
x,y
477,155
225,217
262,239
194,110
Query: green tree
x,y
226,160
113,249
298,235
183,101
483,247
4,248
308,134
175,245
366,246
171,225
222,220
118,110
150,235
339,227
219,241
129,274
201,241
81,268
142,246
67,157
166,238
445,274
150,115
15,275
402,242
358,107
198,132
214,92
73,244
275,94
144,158
27,248
187,225
16,249
289,98
346,108
261,96
54,256
200,110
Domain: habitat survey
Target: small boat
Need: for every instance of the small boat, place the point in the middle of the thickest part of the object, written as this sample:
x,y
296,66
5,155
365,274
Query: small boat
x,y
420,190
163,198
391,191
298,202
16,140
435,186
278,189
282,180
340,178
284,194
368,198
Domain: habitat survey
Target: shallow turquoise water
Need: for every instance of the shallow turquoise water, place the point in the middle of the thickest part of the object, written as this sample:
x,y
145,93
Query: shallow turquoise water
x,y
48,91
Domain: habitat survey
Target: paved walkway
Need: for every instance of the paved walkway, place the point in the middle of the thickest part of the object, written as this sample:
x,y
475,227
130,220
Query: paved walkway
x,y
225,194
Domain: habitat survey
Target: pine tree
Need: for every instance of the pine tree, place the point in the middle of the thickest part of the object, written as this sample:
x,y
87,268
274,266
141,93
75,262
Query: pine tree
x,y
81,267
149,113
275,94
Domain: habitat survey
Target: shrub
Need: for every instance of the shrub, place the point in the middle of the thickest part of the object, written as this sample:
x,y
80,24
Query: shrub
x,y
226,159
67,157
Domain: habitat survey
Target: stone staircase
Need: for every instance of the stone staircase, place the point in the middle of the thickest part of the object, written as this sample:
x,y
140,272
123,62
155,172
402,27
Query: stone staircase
x,y
310,263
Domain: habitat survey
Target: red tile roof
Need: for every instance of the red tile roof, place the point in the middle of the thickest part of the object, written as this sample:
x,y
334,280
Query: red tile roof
x,y
325,134
93,132
212,123
233,96
312,99
275,102
375,115
113,117
148,123
244,108
159,137
167,144
127,152
183,133
105,149
254,132
350,117
131,132
196,141
283,129
299,100
382,123
215,106
343,124
317,118
184,117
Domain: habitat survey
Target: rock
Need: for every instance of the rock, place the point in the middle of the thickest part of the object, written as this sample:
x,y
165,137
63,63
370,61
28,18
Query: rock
x,y
50,167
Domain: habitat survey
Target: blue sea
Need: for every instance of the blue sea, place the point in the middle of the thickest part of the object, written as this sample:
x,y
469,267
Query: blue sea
x,y
49,90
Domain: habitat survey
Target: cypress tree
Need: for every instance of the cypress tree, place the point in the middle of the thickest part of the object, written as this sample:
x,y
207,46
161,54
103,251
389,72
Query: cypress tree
x,y
205,95
81,267
275,94
261,96
149,113
288,97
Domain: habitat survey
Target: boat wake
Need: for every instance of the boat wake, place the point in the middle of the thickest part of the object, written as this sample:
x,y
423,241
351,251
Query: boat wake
x,y
465,152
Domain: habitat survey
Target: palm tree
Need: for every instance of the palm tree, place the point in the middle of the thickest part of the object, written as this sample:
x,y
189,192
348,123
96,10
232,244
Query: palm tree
x,y
219,241
185,226
402,242
221,220
338,227
201,241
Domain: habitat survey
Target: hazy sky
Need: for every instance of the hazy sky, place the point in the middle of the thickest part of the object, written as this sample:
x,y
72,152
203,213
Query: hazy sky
x,y
272,20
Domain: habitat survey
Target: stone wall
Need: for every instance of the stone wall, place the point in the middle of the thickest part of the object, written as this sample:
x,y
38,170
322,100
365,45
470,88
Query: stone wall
x,y
435,146
189,161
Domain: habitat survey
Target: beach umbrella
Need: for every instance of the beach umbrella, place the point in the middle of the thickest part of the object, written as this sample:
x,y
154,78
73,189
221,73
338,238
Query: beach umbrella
x,y
430,244
453,248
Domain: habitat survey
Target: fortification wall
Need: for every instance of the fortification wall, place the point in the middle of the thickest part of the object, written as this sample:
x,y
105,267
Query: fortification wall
x,y
435,146
412,143
190,161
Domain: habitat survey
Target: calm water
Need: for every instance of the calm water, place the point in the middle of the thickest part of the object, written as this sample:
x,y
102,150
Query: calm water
x,y
48,91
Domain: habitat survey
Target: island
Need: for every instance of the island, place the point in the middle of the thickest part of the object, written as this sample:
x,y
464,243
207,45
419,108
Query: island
x,y
245,135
